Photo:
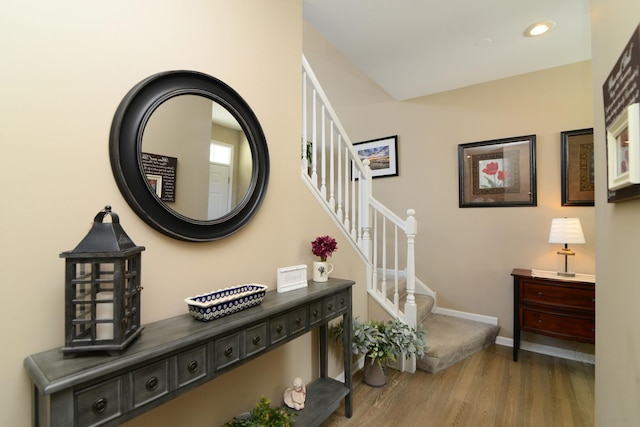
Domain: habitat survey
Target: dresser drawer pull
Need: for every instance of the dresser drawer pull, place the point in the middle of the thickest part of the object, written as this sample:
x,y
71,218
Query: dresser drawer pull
x,y
279,329
540,293
228,351
315,313
342,301
593,300
256,340
152,383
330,306
539,320
99,405
193,366
298,320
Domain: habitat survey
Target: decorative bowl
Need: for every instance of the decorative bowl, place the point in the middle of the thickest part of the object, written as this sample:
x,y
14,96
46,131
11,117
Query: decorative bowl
x,y
225,301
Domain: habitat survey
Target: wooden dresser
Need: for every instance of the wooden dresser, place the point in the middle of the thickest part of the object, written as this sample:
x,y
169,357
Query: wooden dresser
x,y
558,307
178,354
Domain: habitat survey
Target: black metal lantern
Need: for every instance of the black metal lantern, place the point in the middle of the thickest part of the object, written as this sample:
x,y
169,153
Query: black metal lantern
x,y
102,289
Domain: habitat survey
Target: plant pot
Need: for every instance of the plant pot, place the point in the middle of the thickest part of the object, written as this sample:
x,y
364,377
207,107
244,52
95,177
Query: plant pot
x,y
321,270
374,374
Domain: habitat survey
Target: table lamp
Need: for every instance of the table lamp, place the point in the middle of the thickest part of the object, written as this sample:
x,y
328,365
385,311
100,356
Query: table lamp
x,y
565,231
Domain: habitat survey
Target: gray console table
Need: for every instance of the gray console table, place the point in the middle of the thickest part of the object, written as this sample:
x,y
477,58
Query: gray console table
x,y
178,354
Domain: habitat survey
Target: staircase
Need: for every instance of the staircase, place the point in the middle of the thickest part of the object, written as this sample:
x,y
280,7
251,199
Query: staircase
x,y
341,182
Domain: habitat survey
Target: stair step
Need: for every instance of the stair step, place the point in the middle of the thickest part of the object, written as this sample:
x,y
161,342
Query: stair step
x,y
451,339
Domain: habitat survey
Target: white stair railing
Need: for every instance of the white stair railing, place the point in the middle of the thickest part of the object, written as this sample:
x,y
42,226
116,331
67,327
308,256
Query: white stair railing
x,y
341,182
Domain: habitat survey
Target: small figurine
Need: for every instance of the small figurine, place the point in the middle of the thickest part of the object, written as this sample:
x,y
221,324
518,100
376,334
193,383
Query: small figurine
x,y
295,396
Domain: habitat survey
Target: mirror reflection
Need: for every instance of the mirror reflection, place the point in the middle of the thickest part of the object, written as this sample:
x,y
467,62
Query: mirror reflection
x,y
196,157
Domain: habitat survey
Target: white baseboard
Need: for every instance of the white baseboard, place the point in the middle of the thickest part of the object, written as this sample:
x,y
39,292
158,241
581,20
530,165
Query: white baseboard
x,y
464,315
549,350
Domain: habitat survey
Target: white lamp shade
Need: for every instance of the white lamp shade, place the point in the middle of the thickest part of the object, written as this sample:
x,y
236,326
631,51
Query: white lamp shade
x,y
566,230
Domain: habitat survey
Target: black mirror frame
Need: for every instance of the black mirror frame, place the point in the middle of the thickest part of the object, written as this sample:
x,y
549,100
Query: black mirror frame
x,y
125,151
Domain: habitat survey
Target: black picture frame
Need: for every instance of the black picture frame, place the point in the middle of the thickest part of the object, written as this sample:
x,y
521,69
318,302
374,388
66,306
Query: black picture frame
x,y
577,167
497,173
382,154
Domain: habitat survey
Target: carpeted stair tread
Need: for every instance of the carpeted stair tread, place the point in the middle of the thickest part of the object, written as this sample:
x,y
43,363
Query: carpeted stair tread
x,y
451,339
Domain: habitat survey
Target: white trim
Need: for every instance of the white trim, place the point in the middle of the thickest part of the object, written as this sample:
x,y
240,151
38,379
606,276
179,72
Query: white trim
x,y
562,353
469,316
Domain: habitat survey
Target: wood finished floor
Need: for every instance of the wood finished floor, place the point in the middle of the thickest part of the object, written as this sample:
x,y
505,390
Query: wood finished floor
x,y
487,389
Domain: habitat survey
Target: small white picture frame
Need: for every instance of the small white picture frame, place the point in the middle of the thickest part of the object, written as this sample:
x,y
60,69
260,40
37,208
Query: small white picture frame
x,y
155,182
623,149
292,278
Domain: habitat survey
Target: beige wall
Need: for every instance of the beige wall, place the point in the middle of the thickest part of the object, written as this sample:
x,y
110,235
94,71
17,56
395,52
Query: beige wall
x,y
65,67
618,235
467,255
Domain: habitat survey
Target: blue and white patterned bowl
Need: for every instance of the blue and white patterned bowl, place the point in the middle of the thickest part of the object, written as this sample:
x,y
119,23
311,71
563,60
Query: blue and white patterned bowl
x,y
226,301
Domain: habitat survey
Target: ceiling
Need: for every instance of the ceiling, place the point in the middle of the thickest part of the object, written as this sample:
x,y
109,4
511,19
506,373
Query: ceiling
x,y
413,48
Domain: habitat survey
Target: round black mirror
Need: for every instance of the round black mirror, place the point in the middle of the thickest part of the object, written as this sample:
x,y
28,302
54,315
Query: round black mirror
x,y
165,139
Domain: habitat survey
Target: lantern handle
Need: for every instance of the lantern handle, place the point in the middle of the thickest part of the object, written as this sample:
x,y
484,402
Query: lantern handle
x,y
107,210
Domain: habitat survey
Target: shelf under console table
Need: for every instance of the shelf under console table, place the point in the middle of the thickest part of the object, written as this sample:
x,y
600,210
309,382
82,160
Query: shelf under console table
x,y
175,355
548,304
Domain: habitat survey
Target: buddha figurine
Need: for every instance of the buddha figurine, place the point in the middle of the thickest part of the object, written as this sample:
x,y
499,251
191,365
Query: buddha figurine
x,y
295,396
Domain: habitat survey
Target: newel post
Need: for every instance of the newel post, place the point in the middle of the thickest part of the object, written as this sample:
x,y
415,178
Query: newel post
x,y
410,308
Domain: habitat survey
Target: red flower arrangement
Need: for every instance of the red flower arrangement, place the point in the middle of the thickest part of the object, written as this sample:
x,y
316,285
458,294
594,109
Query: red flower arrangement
x,y
324,246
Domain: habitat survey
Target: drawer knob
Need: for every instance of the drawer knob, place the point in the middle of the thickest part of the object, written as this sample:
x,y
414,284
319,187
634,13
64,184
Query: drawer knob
x,y
330,306
228,351
99,405
279,329
540,293
539,320
315,313
256,340
152,383
342,301
193,366
298,320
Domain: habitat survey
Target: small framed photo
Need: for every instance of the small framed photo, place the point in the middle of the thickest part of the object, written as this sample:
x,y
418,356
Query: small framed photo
x,y
577,167
497,173
623,149
382,154
155,182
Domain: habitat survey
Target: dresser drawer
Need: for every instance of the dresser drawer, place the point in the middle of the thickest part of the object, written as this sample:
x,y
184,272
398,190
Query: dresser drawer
x,y
192,365
150,383
558,325
558,296
342,301
227,351
255,339
297,320
329,306
98,404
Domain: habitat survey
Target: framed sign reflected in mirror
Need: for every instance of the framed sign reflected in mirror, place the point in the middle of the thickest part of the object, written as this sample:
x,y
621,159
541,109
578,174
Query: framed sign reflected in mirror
x,y
577,167
497,173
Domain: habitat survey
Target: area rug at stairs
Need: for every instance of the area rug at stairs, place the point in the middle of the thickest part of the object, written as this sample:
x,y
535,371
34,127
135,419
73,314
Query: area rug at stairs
x,y
451,339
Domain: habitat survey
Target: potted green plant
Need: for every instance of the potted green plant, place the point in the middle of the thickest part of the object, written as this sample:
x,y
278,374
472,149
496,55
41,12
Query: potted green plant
x,y
264,415
381,343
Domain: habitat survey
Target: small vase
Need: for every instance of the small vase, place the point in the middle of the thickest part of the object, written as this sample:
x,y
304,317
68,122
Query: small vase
x,y
321,271
374,373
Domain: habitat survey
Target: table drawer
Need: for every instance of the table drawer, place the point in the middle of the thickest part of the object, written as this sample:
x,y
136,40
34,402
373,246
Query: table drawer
x,y
255,339
278,329
329,306
559,325
192,365
315,312
227,351
150,383
342,301
298,320
98,404
559,296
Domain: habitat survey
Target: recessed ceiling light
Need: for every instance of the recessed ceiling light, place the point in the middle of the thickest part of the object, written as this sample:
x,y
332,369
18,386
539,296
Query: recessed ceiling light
x,y
539,28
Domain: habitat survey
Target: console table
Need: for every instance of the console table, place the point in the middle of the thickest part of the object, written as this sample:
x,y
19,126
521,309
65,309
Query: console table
x,y
554,306
175,355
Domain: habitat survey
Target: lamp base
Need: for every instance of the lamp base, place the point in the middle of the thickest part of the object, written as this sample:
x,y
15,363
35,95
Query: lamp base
x,y
566,258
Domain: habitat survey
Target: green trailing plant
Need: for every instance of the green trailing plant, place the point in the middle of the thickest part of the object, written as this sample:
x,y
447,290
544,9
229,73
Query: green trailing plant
x,y
264,415
383,341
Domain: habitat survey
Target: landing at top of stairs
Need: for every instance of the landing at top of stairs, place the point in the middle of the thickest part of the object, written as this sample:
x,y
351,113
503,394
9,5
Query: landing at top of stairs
x,y
451,339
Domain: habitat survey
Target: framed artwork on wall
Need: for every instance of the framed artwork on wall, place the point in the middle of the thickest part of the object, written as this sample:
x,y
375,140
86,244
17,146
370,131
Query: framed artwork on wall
x,y
623,149
497,173
577,167
382,154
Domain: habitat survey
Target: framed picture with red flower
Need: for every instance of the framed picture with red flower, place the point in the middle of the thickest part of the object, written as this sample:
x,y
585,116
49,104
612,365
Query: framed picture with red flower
x,y
497,173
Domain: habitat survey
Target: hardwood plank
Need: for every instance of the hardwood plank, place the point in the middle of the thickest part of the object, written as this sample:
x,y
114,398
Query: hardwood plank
x,y
486,389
